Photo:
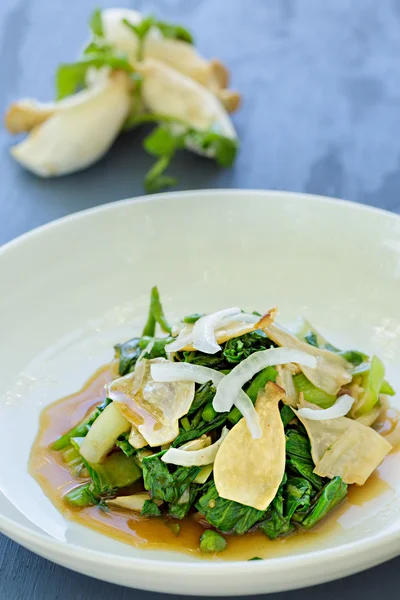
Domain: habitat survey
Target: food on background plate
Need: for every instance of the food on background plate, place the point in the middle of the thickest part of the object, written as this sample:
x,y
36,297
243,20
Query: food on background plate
x,y
133,70
220,420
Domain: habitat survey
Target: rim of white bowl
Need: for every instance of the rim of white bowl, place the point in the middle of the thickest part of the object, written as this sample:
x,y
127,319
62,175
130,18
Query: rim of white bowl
x,y
41,541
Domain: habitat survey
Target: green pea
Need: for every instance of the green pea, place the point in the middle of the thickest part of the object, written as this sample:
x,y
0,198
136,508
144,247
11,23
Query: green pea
x,y
211,541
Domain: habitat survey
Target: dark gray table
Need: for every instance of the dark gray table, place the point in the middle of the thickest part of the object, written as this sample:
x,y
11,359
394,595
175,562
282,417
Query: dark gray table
x,y
321,83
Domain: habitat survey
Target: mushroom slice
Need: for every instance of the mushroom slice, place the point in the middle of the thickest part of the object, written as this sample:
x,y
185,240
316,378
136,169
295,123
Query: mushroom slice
x,y
71,138
332,370
248,470
346,448
154,408
27,113
178,54
168,92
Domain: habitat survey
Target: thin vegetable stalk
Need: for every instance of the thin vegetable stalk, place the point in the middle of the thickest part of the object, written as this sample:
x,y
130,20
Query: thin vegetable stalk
x,y
81,429
156,315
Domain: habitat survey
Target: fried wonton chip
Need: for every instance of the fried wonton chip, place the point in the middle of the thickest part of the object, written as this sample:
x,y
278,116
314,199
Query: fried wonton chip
x,y
249,470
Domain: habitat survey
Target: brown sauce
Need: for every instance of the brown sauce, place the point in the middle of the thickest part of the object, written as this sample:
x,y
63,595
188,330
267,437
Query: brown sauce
x,y
46,466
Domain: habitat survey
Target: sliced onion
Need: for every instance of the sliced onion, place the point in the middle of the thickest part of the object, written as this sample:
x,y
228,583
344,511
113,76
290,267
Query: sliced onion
x,y
339,409
292,394
169,372
244,317
232,383
246,407
197,458
183,339
204,330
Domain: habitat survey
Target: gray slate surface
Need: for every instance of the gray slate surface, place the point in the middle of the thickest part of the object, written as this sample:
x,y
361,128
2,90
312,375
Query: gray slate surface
x,y
321,83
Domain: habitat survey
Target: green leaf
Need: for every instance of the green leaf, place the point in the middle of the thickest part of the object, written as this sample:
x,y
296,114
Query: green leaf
x,y
355,357
330,496
141,30
387,389
275,524
287,415
155,181
71,77
226,515
81,429
298,445
304,468
116,471
211,542
81,496
163,483
312,393
176,32
173,135
150,509
297,493
239,348
168,30
127,354
162,141
180,509
158,345
214,361
96,24
123,444
223,149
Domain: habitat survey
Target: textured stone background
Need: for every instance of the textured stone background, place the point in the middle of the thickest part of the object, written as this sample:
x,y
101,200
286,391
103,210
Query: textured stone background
x,y
321,114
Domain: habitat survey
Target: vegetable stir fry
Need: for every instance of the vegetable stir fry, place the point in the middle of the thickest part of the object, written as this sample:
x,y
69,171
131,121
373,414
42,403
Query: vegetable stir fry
x,y
230,419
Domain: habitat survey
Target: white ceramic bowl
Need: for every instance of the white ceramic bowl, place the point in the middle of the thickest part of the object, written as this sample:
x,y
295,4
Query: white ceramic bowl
x,y
71,288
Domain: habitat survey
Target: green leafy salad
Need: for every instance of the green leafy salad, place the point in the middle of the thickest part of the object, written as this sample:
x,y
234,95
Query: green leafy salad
x,y
230,419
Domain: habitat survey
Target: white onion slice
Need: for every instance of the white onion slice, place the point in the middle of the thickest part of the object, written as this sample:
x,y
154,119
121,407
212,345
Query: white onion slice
x,y
246,407
232,383
169,372
339,409
183,339
194,458
244,317
204,330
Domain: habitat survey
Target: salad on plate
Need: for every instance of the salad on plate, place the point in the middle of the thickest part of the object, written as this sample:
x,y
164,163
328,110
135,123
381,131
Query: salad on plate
x,y
229,420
